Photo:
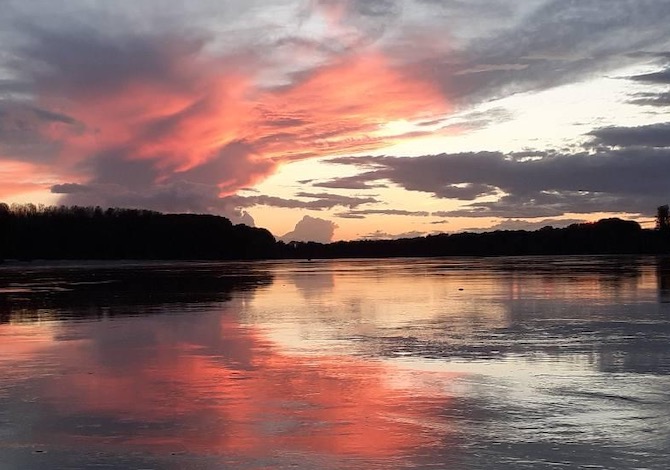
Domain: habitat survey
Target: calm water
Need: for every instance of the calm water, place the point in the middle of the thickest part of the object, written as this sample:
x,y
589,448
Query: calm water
x,y
507,363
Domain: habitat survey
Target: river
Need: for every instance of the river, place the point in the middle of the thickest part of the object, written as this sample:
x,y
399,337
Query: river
x,y
451,363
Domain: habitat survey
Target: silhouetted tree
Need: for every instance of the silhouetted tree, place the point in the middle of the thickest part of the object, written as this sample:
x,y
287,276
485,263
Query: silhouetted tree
x,y
5,216
663,218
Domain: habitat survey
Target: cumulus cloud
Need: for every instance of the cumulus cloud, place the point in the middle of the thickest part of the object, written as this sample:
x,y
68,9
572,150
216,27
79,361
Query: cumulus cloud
x,y
311,229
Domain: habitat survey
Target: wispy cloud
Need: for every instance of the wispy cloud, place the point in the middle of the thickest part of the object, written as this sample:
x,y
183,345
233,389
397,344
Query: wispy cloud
x,y
363,212
317,202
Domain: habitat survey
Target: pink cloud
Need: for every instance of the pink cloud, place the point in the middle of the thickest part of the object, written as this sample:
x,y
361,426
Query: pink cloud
x,y
194,117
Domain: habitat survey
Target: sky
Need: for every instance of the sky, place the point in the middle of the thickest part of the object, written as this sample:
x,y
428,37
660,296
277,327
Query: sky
x,y
339,119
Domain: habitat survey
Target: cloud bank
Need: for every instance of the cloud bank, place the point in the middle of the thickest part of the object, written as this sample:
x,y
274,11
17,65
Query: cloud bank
x,y
627,172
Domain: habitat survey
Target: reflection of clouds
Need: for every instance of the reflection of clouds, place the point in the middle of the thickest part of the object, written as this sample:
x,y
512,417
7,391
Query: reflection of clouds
x,y
367,297
19,344
206,384
520,366
317,282
600,311
391,292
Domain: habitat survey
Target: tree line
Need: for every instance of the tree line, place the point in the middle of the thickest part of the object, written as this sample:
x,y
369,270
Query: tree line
x,y
60,232
607,236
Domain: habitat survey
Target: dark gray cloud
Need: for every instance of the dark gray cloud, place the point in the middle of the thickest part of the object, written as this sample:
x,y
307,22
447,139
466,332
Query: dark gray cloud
x,y
13,88
654,135
371,18
123,182
116,167
70,188
235,164
25,127
651,54
661,78
348,215
620,175
556,204
376,8
465,19
174,197
82,61
651,99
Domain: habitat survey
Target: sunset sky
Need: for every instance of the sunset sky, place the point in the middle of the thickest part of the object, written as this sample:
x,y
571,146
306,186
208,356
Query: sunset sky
x,y
340,119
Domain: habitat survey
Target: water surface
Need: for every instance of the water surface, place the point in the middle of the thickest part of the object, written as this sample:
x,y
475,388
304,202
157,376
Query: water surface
x,y
445,363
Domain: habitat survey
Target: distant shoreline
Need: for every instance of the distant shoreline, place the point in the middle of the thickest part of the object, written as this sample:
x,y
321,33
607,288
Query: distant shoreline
x,y
93,234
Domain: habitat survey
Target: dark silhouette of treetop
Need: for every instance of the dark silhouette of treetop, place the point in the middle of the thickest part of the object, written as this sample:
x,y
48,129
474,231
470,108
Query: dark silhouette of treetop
x,y
663,218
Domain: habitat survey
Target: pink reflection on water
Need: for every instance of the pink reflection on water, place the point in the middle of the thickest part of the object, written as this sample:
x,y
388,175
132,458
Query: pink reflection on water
x,y
213,386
